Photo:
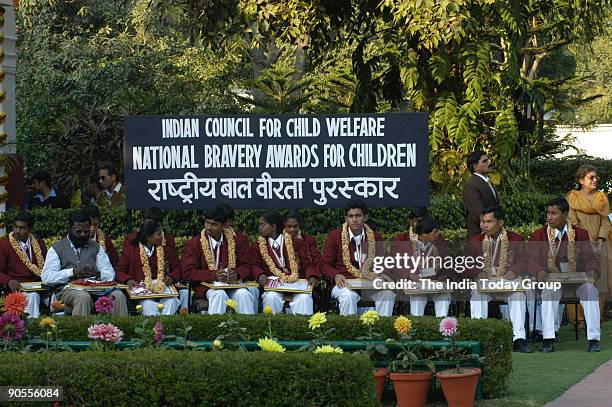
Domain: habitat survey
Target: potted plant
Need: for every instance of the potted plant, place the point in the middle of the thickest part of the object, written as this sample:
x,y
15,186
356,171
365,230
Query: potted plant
x,y
459,383
369,319
410,386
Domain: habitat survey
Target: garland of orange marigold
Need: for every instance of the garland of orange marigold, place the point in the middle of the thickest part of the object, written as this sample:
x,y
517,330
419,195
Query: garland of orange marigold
x,y
293,262
363,272
571,249
37,270
500,271
101,239
159,286
231,250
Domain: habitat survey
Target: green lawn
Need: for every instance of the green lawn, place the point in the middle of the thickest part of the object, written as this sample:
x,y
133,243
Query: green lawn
x,y
538,377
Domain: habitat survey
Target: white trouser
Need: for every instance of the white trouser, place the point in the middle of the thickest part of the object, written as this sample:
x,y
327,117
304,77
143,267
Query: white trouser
x,y
149,307
441,304
384,300
479,306
588,295
558,317
300,303
244,299
33,304
184,298
255,294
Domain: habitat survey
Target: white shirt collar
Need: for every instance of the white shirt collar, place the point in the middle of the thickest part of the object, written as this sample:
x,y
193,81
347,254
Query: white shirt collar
x,y
214,242
359,236
486,179
276,243
52,194
116,190
150,251
25,245
559,233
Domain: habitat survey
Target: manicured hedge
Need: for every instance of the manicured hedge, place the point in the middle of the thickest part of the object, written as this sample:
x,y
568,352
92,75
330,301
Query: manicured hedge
x,y
190,378
521,209
558,175
495,335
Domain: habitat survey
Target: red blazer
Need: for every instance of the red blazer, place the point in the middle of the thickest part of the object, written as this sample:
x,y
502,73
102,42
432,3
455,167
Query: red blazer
x,y
516,247
312,249
130,266
402,244
194,264
537,252
110,250
11,266
306,268
332,262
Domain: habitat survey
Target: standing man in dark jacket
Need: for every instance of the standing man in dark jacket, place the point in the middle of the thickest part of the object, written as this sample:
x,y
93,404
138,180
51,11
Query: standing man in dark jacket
x,y
478,192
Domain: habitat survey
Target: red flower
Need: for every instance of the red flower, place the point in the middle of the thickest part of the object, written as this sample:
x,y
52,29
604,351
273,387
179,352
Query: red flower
x,y
15,303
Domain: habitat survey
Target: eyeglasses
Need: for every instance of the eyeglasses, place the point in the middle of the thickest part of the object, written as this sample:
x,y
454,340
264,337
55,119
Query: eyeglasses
x,y
102,178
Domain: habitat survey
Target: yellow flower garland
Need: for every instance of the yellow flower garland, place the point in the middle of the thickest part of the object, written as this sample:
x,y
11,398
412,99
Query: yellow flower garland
x,y
503,255
101,239
231,250
159,286
364,272
293,262
37,270
571,253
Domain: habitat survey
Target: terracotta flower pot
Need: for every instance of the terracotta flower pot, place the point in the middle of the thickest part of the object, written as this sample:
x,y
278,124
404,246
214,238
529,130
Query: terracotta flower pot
x,y
411,388
380,374
459,388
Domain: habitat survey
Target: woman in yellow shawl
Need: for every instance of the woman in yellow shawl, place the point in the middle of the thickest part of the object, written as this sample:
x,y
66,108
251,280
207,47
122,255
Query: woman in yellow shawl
x,y
589,209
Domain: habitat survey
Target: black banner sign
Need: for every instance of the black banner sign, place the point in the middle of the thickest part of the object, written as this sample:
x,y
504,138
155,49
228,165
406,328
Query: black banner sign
x,y
280,161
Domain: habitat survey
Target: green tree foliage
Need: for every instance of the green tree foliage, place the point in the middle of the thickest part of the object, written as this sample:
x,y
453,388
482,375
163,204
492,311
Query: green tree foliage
x,y
85,65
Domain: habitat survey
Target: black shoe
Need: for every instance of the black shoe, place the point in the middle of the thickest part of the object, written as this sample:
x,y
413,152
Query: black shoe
x,y
557,337
521,345
536,337
594,346
548,345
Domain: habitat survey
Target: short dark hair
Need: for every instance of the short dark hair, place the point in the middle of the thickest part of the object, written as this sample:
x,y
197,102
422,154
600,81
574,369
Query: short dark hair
x,y
497,212
78,216
560,203
426,225
110,169
229,211
25,217
147,229
294,214
93,211
356,204
274,218
217,213
418,212
473,158
42,176
153,213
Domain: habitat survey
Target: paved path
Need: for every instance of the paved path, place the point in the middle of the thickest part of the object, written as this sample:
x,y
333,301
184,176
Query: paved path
x,y
595,390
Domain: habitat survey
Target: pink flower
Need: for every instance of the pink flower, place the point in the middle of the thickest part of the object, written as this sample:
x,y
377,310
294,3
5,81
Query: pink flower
x,y
105,332
448,326
11,327
104,305
159,332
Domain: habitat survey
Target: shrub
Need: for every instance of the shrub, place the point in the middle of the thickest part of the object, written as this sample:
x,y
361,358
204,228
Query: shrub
x,y
521,209
495,335
190,378
557,175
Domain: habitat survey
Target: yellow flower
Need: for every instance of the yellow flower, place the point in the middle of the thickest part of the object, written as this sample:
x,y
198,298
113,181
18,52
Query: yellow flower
x,y
231,303
139,308
48,323
317,320
327,349
267,310
369,317
160,306
402,325
217,343
270,345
